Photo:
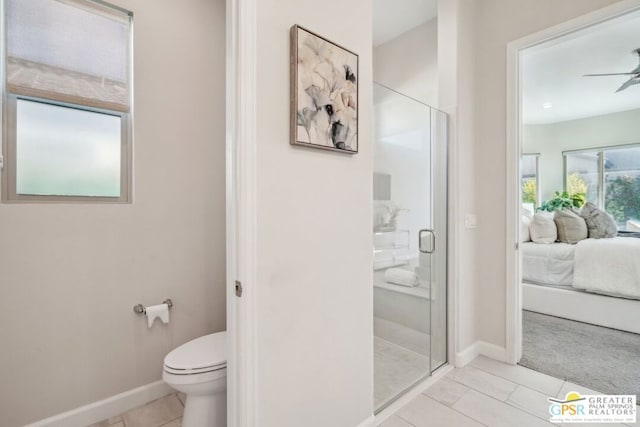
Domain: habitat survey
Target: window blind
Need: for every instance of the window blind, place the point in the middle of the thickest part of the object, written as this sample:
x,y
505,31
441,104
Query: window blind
x,y
70,51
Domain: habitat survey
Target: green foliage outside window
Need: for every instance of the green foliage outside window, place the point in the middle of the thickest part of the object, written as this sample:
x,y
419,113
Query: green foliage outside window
x,y
622,198
576,184
529,191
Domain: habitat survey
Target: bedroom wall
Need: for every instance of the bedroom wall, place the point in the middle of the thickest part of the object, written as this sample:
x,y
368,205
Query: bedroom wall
x,y
550,140
495,24
409,63
71,273
314,294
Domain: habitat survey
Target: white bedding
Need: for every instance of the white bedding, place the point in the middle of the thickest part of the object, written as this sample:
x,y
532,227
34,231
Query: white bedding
x,y
549,264
608,266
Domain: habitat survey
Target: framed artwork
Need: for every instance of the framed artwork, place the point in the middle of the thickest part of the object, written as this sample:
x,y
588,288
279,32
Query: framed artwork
x,y
324,93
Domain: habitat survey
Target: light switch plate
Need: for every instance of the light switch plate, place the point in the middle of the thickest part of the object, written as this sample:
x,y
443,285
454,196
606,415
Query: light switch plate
x,y
470,221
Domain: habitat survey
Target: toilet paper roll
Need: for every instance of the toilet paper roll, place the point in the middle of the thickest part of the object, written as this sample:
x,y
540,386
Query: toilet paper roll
x,y
160,311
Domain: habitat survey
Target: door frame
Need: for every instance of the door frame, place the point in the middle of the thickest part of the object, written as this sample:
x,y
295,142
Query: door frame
x,y
513,271
241,58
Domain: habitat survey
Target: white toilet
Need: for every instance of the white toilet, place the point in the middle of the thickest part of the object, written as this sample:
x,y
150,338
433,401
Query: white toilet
x,y
199,370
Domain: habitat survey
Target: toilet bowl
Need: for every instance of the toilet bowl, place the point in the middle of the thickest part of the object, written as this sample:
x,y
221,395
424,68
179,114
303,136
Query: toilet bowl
x,y
198,368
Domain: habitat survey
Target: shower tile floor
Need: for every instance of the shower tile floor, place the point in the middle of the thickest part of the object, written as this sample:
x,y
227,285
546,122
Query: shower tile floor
x,y
395,369
163,412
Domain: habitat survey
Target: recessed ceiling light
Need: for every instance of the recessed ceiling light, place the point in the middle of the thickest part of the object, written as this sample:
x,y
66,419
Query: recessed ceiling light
x,y
547,105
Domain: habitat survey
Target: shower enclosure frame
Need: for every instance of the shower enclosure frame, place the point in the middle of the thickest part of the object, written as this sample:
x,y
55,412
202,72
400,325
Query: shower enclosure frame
x,y
447,267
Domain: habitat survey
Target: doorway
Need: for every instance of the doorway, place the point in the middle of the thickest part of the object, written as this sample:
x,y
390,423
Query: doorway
x,y
567,135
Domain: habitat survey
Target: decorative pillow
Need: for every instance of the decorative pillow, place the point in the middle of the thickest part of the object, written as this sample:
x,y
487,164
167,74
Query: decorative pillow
x,y
599,223
525,235
528,210
543,228
571,226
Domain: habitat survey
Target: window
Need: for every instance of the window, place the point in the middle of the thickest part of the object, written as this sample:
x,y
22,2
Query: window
x,y
529,179
582,174
67,126
622,186
610,177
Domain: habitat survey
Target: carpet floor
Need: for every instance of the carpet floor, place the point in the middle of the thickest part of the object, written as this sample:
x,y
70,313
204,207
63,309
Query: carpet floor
x,y
602,359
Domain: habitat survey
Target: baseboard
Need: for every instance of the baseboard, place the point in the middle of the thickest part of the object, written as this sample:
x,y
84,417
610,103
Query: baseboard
x,y
478,348
109,407
467,355
369,422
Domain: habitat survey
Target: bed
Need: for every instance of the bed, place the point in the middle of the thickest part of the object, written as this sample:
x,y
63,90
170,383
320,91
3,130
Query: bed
x,y
603,266
548,264
595,281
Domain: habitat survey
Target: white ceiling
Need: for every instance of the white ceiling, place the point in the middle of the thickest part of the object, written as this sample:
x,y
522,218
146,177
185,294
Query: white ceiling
x,y
553,73
394,17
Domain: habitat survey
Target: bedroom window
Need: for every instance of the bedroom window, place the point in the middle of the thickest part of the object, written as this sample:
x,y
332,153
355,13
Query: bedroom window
x,y
582,174
529,182
622,186
611,178
67,127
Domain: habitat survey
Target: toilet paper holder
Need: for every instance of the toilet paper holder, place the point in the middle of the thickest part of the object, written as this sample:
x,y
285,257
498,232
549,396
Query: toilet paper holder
x,y
141,309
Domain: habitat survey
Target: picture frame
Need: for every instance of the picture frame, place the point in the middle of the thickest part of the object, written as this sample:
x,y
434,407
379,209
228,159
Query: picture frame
x,y
324,93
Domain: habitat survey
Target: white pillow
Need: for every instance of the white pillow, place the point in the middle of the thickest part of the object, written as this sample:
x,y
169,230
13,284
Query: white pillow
x,y
543,228
525,235
528,209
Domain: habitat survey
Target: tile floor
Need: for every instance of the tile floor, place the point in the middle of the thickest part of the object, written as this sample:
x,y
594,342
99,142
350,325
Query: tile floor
x,y
486,392
395,369
163,412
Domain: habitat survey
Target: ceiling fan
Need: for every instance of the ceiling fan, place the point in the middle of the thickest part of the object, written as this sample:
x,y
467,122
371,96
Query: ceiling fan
x,y
633,80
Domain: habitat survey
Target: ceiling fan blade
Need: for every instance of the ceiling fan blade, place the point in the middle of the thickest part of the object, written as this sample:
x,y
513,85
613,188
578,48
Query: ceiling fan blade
x,y
611,74
637,52
632,81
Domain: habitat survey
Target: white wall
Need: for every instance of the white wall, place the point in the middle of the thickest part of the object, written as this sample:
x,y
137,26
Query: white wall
x,y
550,140
72,273
496,23
409,63
402,150
456,32
314,296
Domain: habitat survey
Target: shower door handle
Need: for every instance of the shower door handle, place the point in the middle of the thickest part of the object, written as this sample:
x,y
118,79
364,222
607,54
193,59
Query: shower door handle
x,y
432,241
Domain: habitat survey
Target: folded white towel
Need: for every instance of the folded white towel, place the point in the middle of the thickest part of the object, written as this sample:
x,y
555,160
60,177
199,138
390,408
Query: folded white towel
x,y
401,277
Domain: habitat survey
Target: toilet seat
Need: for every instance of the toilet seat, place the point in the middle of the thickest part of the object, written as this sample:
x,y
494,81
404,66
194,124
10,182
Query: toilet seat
x,y
198,356
193,371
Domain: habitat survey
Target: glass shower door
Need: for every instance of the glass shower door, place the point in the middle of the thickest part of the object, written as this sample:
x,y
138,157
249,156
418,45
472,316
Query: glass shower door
x,y
438,255
409,243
